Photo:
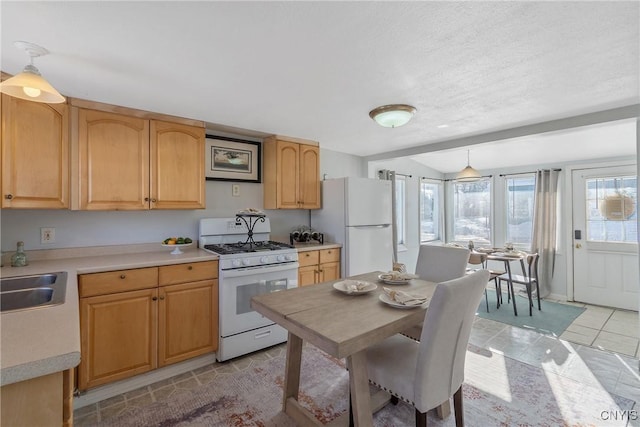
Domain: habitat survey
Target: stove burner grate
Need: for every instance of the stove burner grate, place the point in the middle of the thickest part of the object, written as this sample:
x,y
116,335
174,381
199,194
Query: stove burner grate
x,y
243,247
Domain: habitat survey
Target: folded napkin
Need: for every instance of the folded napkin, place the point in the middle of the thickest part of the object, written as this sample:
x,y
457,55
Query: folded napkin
x,y
396,275
404,298
352,286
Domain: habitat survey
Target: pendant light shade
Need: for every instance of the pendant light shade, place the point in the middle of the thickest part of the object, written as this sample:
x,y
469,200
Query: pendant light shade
x,y
392,116
468,174
29,84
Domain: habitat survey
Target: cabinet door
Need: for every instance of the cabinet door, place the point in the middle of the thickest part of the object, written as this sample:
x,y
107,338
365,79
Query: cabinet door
x,y
113,154
309,177
329,271
119,336
188,320
177,166
288,163
35,154
307,275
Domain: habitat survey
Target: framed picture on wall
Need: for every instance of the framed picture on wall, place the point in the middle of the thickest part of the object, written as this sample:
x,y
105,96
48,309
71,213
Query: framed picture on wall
x,y
232,159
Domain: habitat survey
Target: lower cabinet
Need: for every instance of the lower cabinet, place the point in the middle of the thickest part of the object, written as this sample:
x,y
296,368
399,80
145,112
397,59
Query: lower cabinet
x,y
134,321
41,401
318,266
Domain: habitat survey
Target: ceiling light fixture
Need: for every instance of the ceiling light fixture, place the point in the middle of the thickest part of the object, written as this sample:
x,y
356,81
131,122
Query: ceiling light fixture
x,y
29,84
468,174
392,116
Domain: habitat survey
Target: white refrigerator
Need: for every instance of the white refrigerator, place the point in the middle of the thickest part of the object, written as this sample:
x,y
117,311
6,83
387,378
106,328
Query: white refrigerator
x,y
357,212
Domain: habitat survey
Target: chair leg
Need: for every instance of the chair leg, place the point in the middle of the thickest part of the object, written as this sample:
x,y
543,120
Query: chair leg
x,y
457,408
394,400
513,297
486,299
538,295
530,299
421,419
498,293
351,422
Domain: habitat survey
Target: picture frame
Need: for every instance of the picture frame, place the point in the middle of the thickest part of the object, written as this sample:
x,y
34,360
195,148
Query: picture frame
x,y
232,159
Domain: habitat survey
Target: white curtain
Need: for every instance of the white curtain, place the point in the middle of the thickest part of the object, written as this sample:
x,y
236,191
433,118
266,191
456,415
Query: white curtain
x,y
544,226
390,175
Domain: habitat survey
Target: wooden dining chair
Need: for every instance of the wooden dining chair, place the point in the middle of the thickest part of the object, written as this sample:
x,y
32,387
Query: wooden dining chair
x,y
528,279
438,264
478,261
427,373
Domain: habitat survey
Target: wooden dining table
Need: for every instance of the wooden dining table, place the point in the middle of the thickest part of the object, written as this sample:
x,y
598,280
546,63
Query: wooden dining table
x,y
343,326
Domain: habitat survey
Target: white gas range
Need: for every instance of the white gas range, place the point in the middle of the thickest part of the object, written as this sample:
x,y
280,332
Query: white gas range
x,y
249,264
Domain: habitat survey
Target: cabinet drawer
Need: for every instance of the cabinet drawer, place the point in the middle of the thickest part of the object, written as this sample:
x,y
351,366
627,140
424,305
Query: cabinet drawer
x,y
117,281
329,255
308,258
191,272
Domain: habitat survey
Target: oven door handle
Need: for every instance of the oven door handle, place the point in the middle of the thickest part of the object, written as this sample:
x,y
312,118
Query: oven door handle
x,y
261,269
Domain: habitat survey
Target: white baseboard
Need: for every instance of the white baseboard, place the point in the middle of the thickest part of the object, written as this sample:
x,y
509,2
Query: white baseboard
x,y
123,386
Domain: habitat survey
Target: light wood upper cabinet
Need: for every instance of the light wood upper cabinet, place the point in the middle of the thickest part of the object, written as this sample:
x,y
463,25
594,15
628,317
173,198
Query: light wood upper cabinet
x,y
127,161
114,161
291,174
177,166
35,154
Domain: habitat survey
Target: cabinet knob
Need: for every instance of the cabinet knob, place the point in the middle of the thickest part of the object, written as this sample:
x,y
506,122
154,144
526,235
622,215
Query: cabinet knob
x,y
153,200
8,196
161,298
154,298
190,267
122,276
307,255
146,199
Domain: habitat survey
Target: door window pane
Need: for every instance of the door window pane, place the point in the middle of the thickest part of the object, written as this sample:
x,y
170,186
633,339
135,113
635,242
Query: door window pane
x,y
612,209
430,211
472,212
519,210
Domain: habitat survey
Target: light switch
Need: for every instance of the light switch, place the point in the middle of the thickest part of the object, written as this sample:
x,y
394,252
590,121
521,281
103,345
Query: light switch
x,y
235,190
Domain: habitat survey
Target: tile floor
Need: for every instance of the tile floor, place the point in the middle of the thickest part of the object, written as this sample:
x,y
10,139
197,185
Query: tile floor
x,y
599,348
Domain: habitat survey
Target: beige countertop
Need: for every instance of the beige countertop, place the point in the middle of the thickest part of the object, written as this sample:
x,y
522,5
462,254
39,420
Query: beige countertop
x,y
41,341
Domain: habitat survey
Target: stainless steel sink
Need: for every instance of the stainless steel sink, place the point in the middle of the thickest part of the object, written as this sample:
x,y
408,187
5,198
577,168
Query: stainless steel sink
x,y
35,291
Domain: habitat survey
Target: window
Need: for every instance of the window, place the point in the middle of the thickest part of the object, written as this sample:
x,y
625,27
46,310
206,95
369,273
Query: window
x,y
519,199
472,212
611,209
401,185
430,211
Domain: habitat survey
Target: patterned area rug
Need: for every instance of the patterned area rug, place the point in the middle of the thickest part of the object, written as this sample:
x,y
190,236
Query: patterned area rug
x,y
553,319
498,391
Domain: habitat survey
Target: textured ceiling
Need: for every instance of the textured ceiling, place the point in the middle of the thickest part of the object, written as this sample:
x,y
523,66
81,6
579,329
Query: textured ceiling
x,y
314,70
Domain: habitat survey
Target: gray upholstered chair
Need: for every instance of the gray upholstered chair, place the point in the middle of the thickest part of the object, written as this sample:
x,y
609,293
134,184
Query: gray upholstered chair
x,y
427,373
438,264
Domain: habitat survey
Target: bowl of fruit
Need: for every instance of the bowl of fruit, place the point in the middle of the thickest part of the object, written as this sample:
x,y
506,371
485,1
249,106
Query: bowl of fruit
x,y
176,243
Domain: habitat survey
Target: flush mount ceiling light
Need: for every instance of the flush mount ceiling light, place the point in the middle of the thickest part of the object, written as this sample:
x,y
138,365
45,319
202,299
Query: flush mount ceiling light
x,y
29,84
392,116
468,174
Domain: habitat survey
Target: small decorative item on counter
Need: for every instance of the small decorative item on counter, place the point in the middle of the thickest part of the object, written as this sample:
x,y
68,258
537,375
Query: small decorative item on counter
x,y
177,241
19,259
304,233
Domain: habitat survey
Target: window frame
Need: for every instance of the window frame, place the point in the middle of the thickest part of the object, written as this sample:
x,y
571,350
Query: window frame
x,y
401,212
505,208
452,217
438,210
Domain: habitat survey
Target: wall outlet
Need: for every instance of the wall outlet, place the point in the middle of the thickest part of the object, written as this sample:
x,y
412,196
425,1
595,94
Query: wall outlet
x,y
47,235
235,190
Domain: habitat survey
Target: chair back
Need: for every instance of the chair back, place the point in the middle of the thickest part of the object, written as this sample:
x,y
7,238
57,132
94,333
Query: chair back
x,y
476,258
444,339
441,263
532,262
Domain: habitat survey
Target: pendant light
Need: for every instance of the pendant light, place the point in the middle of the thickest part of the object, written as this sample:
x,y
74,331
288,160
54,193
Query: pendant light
x,y
392,116
29,84
468,174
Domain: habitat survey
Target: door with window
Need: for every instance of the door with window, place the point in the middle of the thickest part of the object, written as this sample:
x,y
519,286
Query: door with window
x,y
605,239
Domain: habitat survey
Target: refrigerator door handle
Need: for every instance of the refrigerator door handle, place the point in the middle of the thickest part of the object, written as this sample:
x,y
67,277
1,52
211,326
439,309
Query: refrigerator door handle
x,y
372,226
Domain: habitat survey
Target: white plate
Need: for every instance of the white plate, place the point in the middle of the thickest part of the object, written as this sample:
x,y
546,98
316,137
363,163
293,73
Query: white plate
x,y
393,282
342,287
176,250
385,299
